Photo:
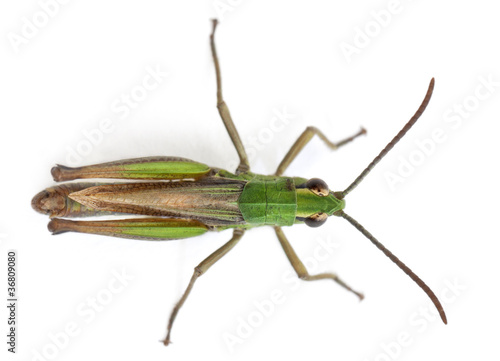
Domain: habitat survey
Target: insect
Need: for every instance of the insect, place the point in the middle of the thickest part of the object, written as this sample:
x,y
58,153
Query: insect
x,y
182,198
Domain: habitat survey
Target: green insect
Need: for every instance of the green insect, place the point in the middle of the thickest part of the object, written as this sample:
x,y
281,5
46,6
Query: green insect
x,y
182,198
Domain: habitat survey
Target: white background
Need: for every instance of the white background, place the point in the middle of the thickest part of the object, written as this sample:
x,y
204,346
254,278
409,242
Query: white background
x,y
441,220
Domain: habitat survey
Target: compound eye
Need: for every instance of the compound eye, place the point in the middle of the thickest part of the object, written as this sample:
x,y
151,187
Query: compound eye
x,y
316,220
318,187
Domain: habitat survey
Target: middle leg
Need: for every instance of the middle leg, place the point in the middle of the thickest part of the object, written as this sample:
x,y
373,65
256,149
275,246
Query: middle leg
x,y
200,270
224,110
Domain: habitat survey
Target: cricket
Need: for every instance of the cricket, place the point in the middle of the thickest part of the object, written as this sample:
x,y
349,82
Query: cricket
x,y
178,198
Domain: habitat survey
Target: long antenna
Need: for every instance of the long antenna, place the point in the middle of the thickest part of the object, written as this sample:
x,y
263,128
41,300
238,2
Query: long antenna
x,y
396,260
393,142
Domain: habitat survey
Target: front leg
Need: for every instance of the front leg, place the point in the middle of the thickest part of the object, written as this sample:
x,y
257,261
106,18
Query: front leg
x,y
301,270
304,138
224,111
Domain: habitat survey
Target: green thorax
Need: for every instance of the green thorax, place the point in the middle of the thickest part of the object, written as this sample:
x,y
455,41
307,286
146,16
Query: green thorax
x,y
271,200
